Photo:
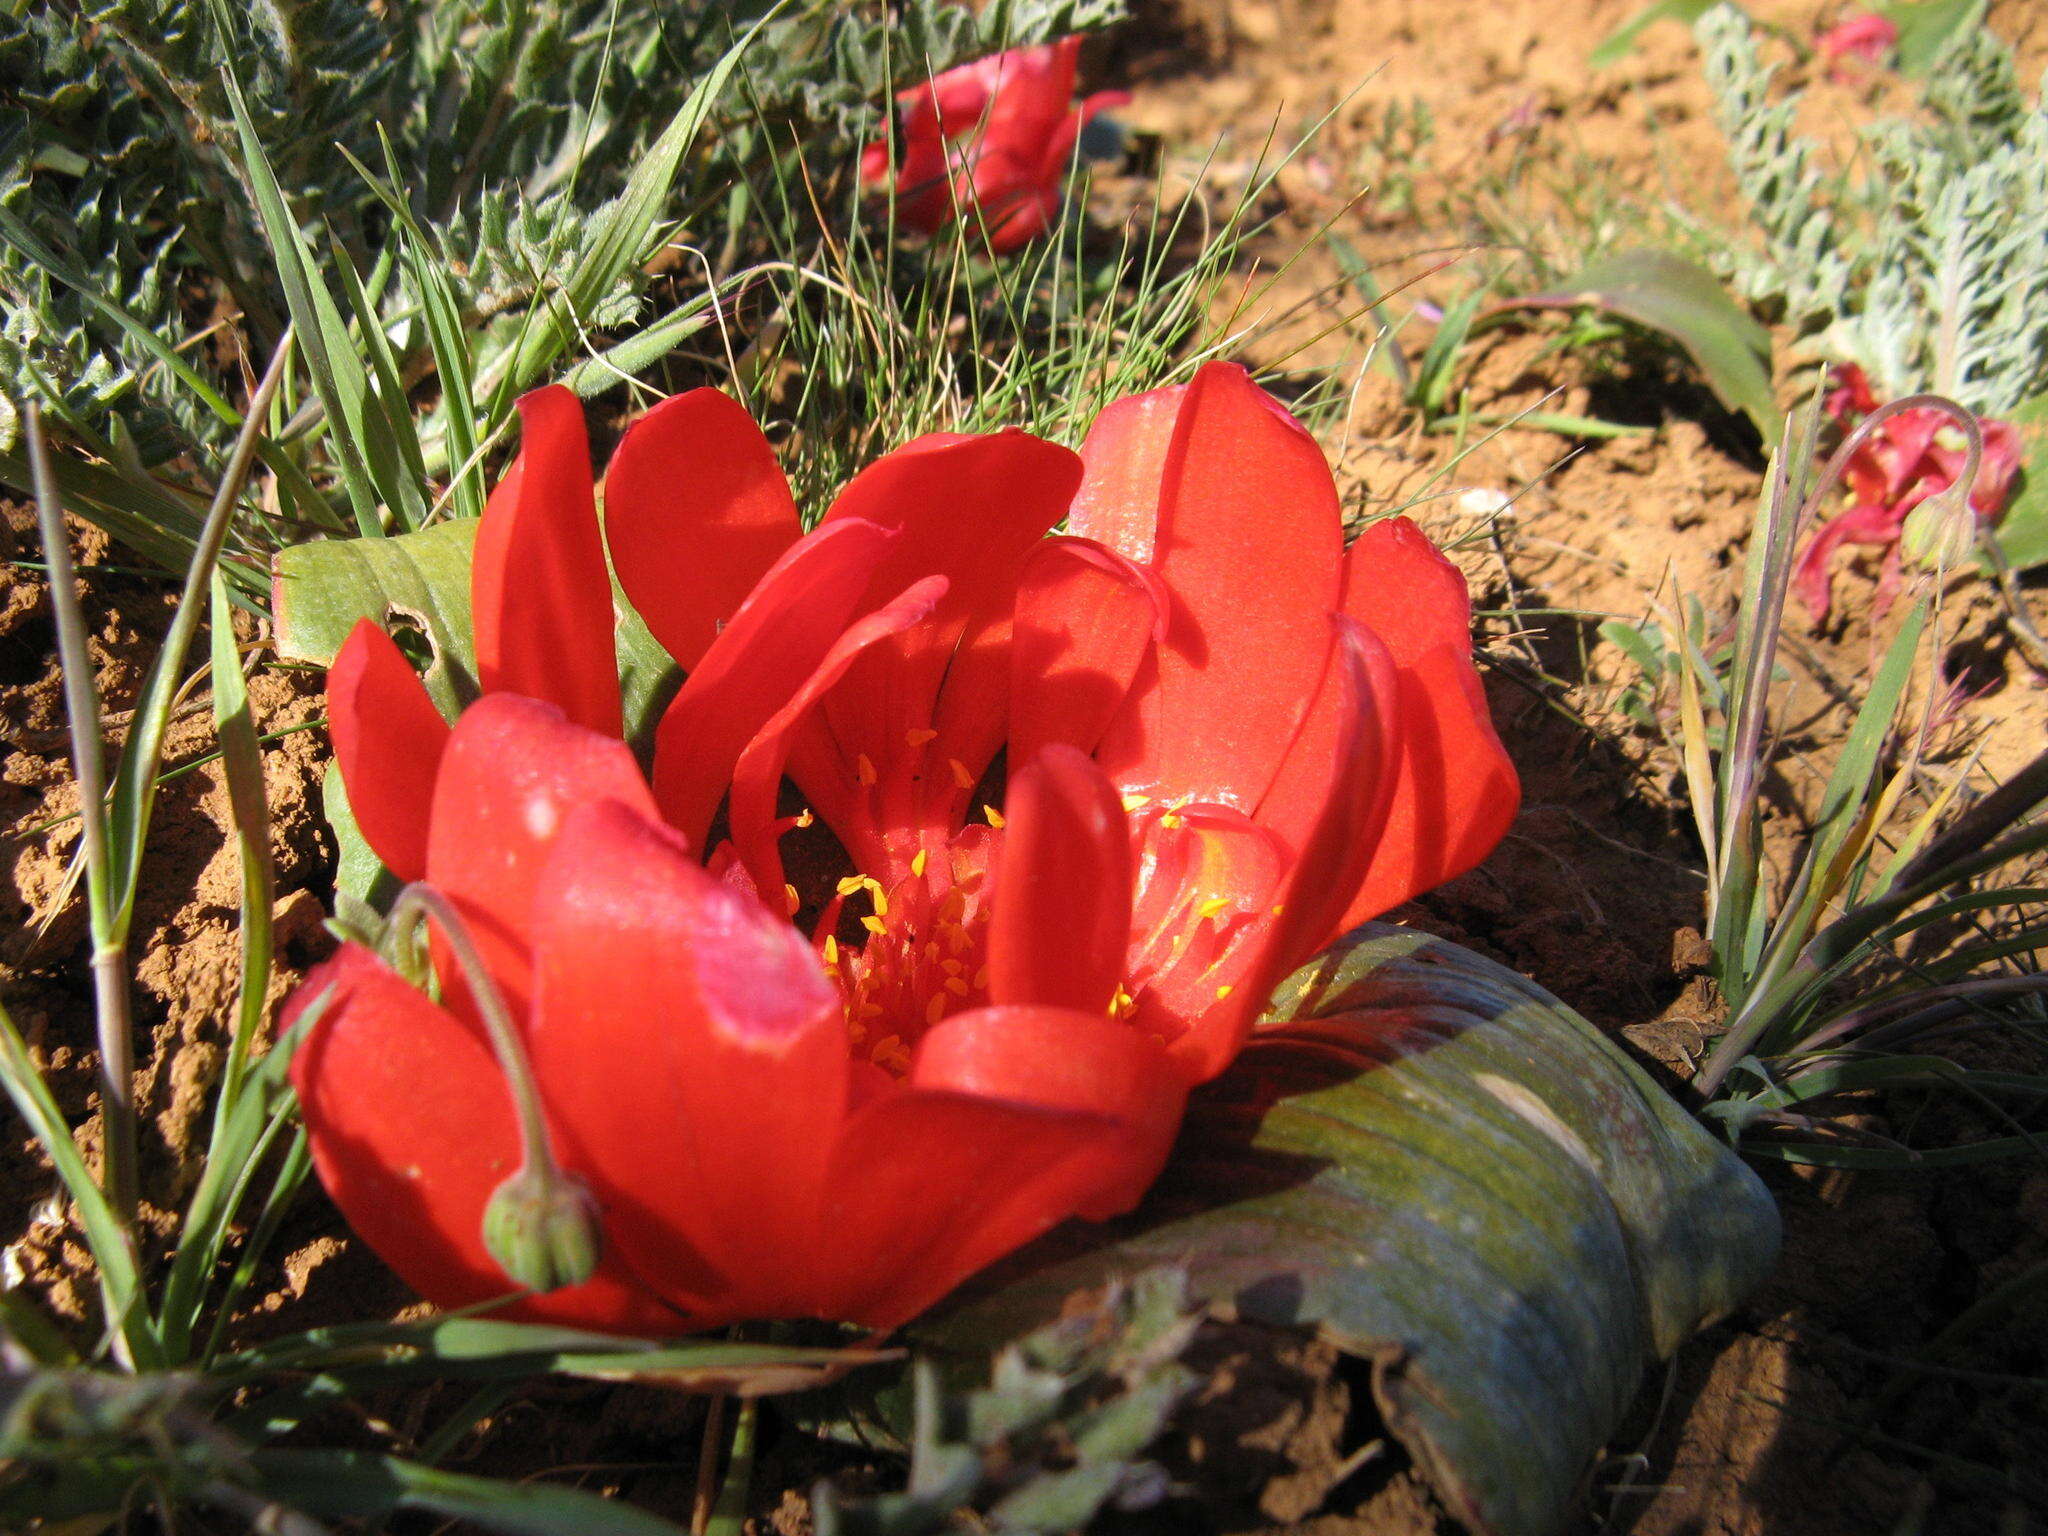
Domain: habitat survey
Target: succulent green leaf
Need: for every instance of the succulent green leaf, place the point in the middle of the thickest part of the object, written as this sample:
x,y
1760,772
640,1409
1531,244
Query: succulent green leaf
x,y
1448,1172
1684,301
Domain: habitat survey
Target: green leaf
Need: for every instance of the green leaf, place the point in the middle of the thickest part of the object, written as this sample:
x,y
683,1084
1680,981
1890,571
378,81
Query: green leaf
x,y
439,1348
1622,40
2023,531
1684,301
323,588
357,1485
1926,28
1447,1172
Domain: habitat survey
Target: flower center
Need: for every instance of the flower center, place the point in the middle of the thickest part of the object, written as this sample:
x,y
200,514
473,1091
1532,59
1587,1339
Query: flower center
x,y
925,956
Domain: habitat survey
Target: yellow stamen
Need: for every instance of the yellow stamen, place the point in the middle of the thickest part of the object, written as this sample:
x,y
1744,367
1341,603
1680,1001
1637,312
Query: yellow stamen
x,y
790,899
1224,991
831,950
917,862
851,884
1213,906
1136,802
804,818
918,735
874,925
981,977
864,768
960,774
995,817
956,986
935,1010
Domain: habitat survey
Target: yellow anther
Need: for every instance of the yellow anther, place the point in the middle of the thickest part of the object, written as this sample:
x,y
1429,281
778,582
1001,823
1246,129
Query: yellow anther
x,y
874,924
952,967
918,735
890,1052
831,950
995,817
851,884
960,774
917,862
1136,802
881,898
864,768
871,1010
1224,991
804,818
935,1010
790,899
1213,907
956,986
1278,908
981,978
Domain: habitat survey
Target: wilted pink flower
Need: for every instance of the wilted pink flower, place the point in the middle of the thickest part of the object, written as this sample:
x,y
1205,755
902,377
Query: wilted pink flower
x,y
1865,36
993,137
1910,457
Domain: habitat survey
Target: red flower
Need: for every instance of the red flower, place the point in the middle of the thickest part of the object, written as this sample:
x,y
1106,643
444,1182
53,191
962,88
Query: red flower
x,y
1226,740
995,137
1908,458
1865,36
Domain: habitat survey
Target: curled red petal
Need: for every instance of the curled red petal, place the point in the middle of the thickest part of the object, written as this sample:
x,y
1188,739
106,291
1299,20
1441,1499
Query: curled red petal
x,y
758,774
1077,1061
412,1129
1455,791
1086,618
388,740
1061,916
774,642
540,596
970,509
513,770
1124,463
696,510
695,1059
928,1186
1248,542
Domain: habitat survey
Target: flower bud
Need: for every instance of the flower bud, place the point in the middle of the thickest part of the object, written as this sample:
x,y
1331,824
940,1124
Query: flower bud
x,y
543,1230
1941,531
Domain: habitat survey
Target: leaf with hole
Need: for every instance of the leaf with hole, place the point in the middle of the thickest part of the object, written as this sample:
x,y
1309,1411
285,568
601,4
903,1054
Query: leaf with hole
x,y
1444,1170
323,588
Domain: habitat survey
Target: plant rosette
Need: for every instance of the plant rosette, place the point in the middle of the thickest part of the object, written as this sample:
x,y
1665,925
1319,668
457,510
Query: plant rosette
x,y
963,853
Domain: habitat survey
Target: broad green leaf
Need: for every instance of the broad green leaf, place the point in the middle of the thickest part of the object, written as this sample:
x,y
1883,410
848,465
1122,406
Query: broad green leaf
x,y
1684,301
1447,1172
1926,27
323,588
1622,40
2023,531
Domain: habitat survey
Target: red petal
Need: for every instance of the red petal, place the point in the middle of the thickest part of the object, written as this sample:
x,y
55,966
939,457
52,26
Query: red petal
x,y
970,509
1455,791
1081,1062
1061,916
694,1057
696,509
540,597
412,1129
1125,459
926,1187
1086,618
1249,543
513,771
775,641
840,800
388,739
1351,783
